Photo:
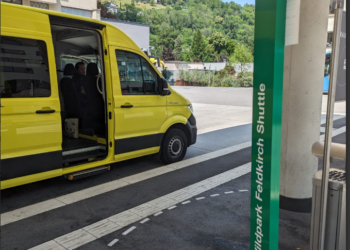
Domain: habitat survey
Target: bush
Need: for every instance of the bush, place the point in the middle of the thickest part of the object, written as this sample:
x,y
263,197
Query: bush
x,y
217,79
181,75
229,81
245,79
187,76
229,70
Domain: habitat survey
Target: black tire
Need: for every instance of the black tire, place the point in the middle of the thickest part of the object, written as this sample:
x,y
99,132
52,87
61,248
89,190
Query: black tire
x,y
174,146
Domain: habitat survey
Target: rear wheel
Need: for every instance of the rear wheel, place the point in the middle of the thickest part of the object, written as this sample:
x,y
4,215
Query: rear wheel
x,y
174,146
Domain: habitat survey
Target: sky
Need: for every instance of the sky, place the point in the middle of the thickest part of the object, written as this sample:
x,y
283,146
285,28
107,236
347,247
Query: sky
x,y
241,2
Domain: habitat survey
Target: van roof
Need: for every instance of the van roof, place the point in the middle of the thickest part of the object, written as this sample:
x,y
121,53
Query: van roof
x,y
55,13
97,23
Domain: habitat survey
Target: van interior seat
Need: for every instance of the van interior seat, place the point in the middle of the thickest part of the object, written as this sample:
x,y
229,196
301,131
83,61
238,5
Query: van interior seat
x,y
68,92
95,99
73,108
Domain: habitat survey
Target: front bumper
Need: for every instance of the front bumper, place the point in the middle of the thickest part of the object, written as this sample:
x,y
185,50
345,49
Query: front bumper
x,y
192,127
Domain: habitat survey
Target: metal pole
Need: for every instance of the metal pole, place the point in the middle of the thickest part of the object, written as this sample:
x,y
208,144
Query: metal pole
x,y
209,75
329,124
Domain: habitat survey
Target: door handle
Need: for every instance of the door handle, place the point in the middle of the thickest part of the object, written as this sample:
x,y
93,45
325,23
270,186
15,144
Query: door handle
x,y
127,106
45,111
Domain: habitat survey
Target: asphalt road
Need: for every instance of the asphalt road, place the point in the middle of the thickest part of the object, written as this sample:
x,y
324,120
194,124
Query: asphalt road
x,y
220,220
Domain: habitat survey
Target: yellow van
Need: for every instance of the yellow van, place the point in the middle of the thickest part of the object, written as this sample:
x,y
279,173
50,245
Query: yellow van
x,y
77,95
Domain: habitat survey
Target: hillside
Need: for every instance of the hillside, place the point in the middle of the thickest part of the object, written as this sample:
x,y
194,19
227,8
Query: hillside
x,y
140,4
194,30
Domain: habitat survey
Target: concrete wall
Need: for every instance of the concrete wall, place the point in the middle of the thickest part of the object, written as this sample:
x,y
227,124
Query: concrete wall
x,y
86,8
136,31
173,68
79,4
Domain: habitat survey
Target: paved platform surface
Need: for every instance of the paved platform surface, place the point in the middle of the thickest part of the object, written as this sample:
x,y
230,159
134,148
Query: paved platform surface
x,y
106,211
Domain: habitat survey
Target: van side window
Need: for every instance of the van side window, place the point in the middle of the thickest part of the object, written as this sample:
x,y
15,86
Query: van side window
x,y
130,73
23,68
136,75
149,78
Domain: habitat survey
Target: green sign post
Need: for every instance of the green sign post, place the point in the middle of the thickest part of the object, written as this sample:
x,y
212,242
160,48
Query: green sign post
x,y
270,17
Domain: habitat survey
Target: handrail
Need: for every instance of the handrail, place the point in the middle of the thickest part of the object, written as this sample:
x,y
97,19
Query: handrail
x,y
338,151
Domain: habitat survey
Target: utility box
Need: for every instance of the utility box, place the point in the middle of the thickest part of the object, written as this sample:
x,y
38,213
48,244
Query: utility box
x,y
335,234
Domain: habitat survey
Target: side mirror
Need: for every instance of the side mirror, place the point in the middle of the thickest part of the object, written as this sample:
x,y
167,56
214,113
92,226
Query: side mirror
x,y
164,87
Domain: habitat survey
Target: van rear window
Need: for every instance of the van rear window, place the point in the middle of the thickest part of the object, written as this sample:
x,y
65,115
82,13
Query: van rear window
x,y
24,68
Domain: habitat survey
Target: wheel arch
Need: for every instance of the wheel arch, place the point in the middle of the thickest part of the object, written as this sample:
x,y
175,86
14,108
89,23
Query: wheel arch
x,y
176,122
182,127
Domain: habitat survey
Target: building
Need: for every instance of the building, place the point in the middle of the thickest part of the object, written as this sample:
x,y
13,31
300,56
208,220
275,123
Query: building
x,y
331,22
138,32
112,8
86,8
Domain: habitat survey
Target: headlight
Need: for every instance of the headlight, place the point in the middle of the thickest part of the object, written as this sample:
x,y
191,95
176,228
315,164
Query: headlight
x,y
190,107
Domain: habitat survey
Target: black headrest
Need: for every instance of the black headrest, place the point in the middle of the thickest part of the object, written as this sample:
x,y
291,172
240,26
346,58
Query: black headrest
x,y
92,69
69,69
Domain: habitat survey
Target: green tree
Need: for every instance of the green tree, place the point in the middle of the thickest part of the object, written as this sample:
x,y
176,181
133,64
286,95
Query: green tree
x,y
178,47
218,40
177,7
230,46
198,44
209,54
167,36
218,19
233,21
242,55
187,56
245,35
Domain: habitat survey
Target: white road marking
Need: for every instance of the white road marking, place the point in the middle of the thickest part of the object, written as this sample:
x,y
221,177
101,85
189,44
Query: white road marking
x,y
172,207
50,245
229,192
159,213
335,132
102,228
144,221
127,217
81,237
75,239
124,218
200,198
185,202
243,190
129,230
113,242
323,120
323,129
41,207
213,195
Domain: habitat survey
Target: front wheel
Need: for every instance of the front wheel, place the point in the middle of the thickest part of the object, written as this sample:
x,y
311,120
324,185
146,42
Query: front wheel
x,y
174,146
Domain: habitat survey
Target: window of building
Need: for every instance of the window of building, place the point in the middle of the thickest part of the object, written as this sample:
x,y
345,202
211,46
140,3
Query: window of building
x,y
137,76
13,1
78,12
39,5
23,68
